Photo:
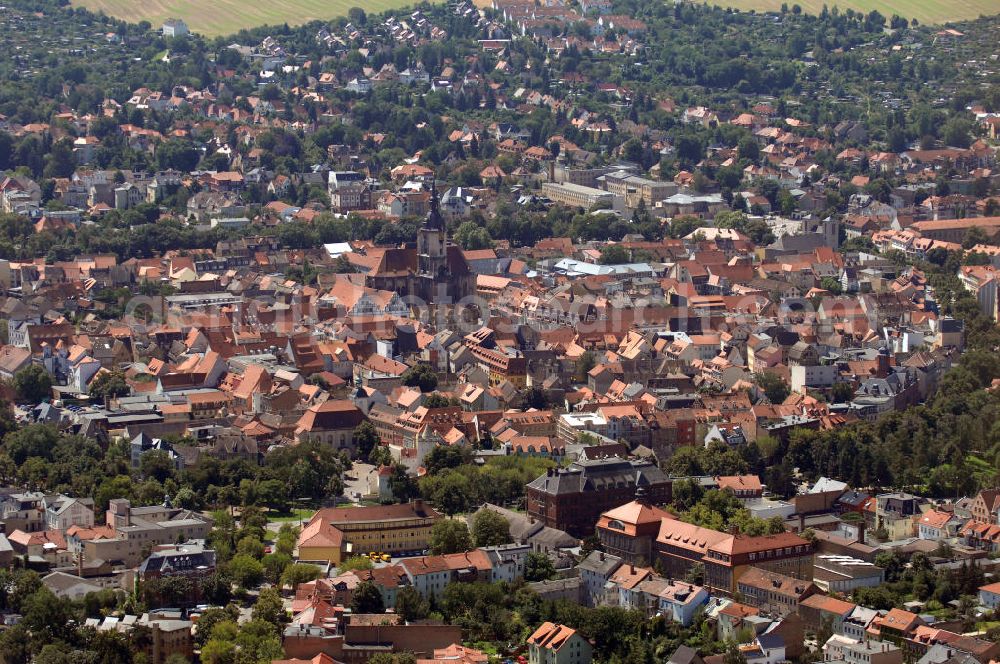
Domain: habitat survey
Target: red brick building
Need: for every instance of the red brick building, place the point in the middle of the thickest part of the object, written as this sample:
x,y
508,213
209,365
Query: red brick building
x,y
573,498
629,531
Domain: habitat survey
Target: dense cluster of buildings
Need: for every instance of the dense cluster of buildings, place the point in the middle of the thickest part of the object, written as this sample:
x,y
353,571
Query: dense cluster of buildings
x,y
767,592
766,315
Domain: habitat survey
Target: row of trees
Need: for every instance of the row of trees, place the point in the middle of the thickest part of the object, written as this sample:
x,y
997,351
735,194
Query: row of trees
x,y
456,485
41,457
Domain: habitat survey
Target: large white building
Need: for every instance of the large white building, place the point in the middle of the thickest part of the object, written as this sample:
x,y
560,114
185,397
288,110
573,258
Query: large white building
x,y
175,27
579,196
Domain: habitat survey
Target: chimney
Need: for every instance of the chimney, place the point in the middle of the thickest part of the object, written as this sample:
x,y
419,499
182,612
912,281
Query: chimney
x,y
602,555
79,562
883,364
631,569
861,531
802,523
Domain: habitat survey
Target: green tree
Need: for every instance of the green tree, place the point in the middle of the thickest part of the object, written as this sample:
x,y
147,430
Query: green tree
x,y
535,397
421,376
108,385
614,254
775,389
831,284
179,155
212,617
57,654
61,161
367,599
490,528
250,545
450,536
270,608
438,400
584,364
156,464
365,439
975,235
841,393
47,616
733,654
355,563
538,567
219,651
297,573
444,457
119,486
33,383
246,570
275,565
957,132
748,149
410,605
471,236
451,492
685,225
392,658
686,493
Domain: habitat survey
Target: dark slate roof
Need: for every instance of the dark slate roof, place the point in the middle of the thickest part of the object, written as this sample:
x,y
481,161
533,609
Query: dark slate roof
x,y
598,475
603,564
684,655
166,562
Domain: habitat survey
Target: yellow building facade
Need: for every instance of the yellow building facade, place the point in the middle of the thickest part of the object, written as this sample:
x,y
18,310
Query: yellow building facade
x,y
335,534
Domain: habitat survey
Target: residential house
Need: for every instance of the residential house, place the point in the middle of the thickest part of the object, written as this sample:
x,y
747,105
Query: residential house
x,y
772,593
558,644
61,512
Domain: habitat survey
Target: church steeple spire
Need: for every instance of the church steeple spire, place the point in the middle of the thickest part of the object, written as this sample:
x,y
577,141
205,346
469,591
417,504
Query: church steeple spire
x,y
434,220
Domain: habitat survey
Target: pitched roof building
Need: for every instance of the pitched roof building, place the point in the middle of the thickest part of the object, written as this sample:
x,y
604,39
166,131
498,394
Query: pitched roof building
x,y
573,498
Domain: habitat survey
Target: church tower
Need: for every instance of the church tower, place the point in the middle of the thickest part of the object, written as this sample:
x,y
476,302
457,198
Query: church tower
x,y
432,243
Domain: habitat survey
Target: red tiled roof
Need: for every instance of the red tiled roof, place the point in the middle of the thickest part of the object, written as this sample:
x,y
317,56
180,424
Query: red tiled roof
x,y
551,636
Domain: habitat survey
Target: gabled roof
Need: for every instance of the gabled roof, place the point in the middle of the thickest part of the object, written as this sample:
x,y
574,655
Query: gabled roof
x,y
633,515
829,604
901,620
333,414
320,533
689,536
551,636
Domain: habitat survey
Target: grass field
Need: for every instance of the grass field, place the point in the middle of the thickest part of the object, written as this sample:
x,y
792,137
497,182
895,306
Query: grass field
x,y
295,516
925,11
224,17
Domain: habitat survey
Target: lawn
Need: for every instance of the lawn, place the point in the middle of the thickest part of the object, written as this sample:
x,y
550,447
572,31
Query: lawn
x,y
925,11
224,17
981,469
296,516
